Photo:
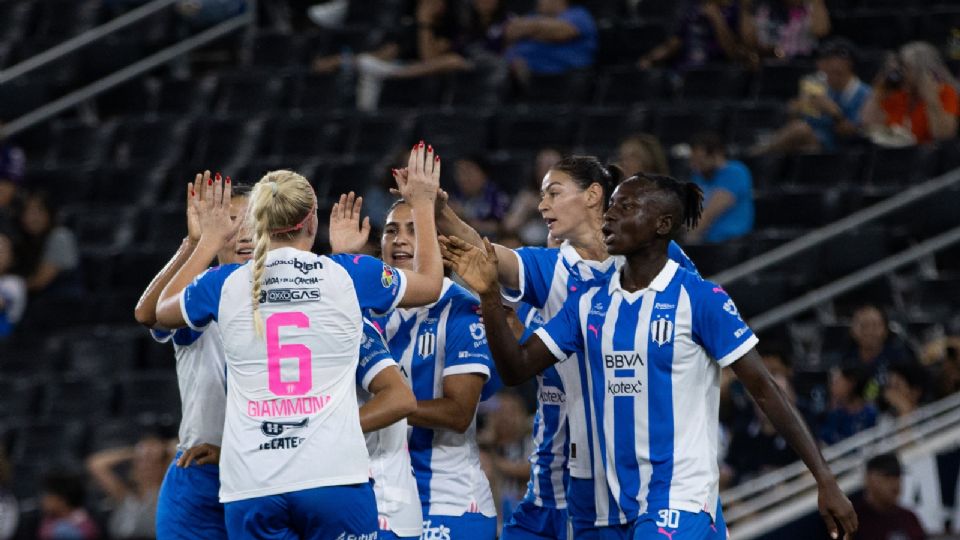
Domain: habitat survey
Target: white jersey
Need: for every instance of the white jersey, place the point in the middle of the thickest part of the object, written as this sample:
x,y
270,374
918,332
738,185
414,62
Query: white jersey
x,y
398,503
430,343
202,377
292,421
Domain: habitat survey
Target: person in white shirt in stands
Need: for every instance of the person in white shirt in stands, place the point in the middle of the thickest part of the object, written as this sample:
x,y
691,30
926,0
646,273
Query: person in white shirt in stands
x,y
293,453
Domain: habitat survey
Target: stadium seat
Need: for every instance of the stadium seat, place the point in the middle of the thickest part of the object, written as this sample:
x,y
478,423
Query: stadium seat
x,y
677,124
274,49
103,57
853,251
65,150
130,98
83,398
760,293
151,393
314,93
18,397
301,137
219,142
628,85
823,169
379,134
249,93
894,166
712,259
532,129
55,441
183,96
861,28
145,142
560,89
455,132
412,93
780,81
346,176
749,121
601,130
108,352
711,83
478,87
512,171
793,208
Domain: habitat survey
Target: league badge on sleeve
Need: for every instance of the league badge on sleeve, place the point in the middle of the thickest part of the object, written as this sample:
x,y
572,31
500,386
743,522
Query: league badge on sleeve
x,y
386,277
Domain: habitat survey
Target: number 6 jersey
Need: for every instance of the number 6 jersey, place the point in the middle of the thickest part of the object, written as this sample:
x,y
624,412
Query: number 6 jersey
x,y
291,420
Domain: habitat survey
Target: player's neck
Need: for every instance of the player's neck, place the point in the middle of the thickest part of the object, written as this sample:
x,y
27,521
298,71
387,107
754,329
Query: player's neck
x,y
641,268
588,241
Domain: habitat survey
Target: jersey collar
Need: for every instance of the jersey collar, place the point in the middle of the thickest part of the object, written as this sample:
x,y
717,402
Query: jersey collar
x,y
659,283
573,258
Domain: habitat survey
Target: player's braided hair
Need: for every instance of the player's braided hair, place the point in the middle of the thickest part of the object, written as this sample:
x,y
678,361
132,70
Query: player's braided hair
x,y
280,205
688,194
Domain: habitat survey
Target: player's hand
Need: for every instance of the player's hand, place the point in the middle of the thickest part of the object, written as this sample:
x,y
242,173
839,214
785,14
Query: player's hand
x,y
195,192
213,209
202,454
347,233
422,181
477,267
836,510
400,175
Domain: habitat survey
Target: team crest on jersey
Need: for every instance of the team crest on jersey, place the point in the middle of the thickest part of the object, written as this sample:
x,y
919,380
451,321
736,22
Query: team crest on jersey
x,y
386,277
426,344
661,331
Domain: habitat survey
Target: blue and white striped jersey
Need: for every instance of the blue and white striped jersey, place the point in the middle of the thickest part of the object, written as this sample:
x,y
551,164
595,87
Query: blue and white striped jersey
x,y
548,276
202,379
653,360
430,343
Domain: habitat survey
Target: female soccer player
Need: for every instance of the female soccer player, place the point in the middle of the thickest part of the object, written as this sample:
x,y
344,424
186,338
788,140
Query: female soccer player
x,y
574,195
654,338
291,321
187,507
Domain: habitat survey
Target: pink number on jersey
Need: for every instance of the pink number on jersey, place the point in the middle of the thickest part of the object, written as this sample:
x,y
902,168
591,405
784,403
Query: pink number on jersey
x,y
276,351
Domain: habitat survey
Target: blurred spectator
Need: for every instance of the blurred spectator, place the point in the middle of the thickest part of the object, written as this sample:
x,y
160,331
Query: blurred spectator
x,y
849,411
9,507
477,199
12,168
13,291
828,106
61,505
46,253
786,28
135,499
377,197
736,406
642,152
485,21
905,389
727,191
556,39
944,358
523,217
709,31
758,448
875,348
914,98
203,13
508,440
878,513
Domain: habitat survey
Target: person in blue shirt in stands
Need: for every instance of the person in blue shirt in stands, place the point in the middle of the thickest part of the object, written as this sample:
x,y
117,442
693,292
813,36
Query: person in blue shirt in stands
x,y
556,39
727,191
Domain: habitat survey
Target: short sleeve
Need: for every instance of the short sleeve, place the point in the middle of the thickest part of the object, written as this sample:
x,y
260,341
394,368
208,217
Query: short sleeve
x,y
200,301
580,18
734,178
676,254
466,349
379,286
374,355
61,249
717,325
182,337
948,98
13,290
562,333
536,267
531,319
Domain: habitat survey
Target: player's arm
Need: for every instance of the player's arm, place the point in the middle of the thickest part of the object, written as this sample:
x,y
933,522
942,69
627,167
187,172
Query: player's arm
x,y
217,230
392,401
834,505
515,363
419,188
456,409
101,467
146,310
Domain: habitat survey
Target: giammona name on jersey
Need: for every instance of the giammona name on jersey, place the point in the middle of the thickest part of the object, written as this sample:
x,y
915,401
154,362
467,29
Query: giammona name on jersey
x,y
272,408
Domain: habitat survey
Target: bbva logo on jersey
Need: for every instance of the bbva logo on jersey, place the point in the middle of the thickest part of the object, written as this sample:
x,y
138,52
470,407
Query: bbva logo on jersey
x,y
661,331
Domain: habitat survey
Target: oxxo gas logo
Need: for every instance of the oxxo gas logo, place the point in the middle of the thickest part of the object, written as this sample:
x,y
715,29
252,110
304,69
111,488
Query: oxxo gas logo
x,y
275,296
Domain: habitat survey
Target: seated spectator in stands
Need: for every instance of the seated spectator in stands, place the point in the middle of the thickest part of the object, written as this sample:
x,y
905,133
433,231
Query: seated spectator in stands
x,y
12,167
46,253
875,348
484,26
642,152
9,507
13,291
878,512
786,28
506,437
63,514
477,198
905,389
828,106
914,99
523,217
943,356
758,448
849,411
134,498
709,31
556,39
727,191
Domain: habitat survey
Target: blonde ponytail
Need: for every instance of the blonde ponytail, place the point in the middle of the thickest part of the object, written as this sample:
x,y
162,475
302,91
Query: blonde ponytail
x,y
280,205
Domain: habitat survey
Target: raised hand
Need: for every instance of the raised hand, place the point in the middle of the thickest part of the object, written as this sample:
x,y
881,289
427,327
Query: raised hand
x,y
347,233
423,176
202,454
213,211
477,267
193,215
400,175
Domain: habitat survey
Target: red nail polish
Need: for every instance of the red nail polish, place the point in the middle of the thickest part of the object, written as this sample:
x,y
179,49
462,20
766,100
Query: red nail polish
x,y
218,177
209,181
228,179
430,148
193,193
436,158
421,144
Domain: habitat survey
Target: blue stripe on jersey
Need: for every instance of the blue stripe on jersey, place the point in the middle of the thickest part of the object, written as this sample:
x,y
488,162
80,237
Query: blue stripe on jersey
x,y
660,381
624,339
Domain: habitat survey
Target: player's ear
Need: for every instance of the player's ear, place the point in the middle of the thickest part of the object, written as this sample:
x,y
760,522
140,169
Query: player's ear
x,y
665,224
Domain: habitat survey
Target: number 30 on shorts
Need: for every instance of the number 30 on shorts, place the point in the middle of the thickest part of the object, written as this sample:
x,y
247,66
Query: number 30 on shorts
x,y
277,352
669,519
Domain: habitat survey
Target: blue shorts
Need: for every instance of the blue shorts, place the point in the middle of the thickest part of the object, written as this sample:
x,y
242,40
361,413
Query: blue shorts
x,y
188,506
675,525
390,535
583,514
469,526
533,522
316,514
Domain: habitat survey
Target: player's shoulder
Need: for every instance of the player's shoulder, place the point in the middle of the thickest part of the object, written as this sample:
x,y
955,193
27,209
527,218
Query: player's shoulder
x,y
539,253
